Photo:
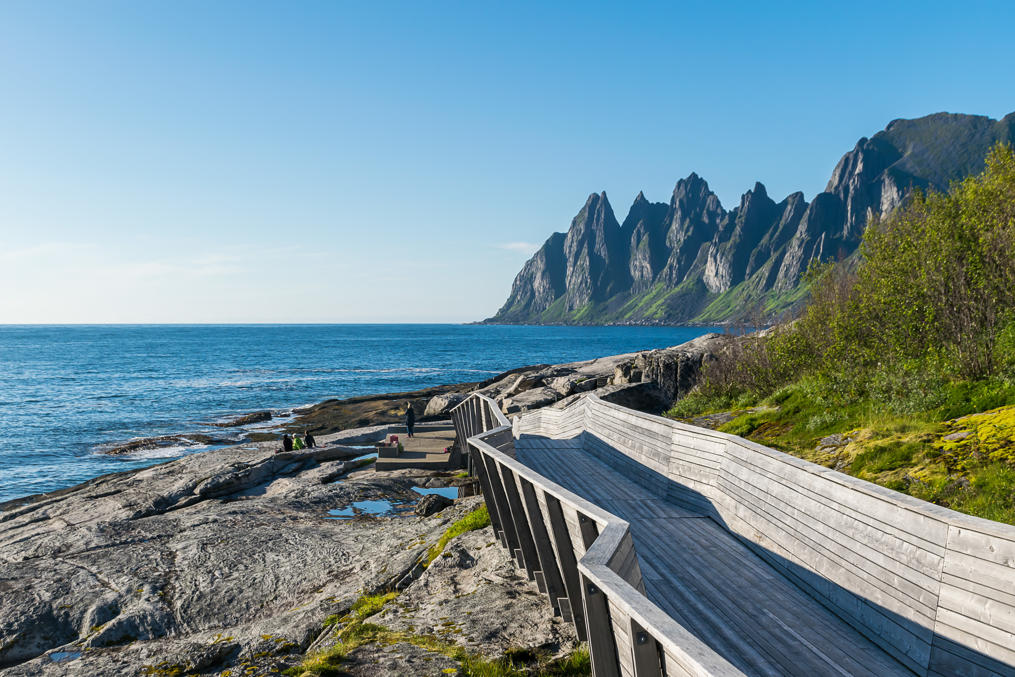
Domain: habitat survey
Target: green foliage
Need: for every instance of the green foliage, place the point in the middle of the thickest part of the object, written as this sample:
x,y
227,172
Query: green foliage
x,y
991,493
883,457
931,302
743,425
911,343
368,605
513,663
529,663
477,519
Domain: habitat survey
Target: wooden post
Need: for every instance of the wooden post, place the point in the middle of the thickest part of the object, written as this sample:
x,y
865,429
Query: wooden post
x,y
544,549
568,564
488,497
525,545
509,533
644,652
602,644
589,529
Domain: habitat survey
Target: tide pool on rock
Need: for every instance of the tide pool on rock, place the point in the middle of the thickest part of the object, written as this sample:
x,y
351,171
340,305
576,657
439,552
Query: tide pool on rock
x,y
225,561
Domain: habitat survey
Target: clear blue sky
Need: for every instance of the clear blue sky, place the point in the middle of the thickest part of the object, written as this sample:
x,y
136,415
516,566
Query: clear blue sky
x,y
203,161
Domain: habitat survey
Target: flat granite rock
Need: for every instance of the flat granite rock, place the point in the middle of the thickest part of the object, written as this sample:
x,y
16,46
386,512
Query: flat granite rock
x,y
222,560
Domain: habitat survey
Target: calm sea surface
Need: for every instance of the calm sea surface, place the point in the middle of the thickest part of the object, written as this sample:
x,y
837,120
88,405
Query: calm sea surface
x,y
65,391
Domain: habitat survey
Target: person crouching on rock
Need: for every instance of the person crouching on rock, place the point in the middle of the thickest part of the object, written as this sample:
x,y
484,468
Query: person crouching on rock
x,y
297,443
309,439
287,442
410,419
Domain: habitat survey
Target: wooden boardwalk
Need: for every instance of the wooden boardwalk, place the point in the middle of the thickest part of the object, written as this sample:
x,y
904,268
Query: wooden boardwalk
x,y
710,582
680,551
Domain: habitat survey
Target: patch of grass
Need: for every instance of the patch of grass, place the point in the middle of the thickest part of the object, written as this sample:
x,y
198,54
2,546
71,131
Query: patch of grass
x,y
514,663
328,663
165,669
368,605
883,457
990,437
577,664
991,493
744,424
362,463
477,519
974,473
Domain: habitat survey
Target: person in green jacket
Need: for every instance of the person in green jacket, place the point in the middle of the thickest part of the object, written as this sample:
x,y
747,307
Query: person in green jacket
x,y
297,442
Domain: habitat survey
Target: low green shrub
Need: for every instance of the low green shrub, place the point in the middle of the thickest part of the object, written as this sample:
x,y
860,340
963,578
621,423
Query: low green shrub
x,y
477,519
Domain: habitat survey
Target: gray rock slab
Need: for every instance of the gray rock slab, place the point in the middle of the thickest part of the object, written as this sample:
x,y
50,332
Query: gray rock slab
x,y
226,559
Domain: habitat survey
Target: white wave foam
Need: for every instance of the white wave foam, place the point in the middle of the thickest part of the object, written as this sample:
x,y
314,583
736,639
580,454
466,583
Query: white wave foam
x,y
173,451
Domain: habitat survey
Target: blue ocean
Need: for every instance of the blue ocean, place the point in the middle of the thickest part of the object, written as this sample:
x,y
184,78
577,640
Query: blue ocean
x,y
66,392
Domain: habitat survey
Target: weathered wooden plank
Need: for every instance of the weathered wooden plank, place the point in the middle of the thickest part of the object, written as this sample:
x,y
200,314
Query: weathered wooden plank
x,y
526,546
500,500
488,497
808,542
950,658
675,667
982,637
567,562
544,550
644,652
879,563
924,531
866,544
600,631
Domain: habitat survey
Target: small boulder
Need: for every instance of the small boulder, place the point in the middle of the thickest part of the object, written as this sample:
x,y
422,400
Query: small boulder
x,y
440,405
246,419
431,504
529,400
625,373
523,383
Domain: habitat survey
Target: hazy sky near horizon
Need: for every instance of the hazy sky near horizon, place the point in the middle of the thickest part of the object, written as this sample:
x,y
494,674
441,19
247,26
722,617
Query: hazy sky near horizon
x,y
194,161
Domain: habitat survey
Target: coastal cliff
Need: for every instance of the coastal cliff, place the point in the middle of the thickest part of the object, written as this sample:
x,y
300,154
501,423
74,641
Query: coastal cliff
x,y
691,260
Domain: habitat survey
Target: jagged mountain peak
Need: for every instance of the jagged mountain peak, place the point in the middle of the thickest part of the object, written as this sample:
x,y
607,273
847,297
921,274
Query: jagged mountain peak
x,y
691,259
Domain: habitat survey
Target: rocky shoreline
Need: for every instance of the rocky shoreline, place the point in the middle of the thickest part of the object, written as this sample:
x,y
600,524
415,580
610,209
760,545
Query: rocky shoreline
x,y
228,562
231,561
648,380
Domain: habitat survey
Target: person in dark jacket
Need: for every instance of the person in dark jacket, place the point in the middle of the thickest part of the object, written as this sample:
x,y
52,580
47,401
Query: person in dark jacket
x,y
309,439
410,419
287,442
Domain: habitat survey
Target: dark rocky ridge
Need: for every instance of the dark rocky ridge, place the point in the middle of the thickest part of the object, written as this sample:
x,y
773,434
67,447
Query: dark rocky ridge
x,y
693,261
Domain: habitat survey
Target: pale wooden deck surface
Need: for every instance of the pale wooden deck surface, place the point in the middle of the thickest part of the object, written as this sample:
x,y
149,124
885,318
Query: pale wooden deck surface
x,y
710,582
424,450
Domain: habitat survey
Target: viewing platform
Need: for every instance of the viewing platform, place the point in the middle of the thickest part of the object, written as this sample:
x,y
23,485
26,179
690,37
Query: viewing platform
x,y
423,451
677,550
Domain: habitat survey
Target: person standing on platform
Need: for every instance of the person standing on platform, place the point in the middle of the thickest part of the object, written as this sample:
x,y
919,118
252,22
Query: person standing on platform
x,y
410,419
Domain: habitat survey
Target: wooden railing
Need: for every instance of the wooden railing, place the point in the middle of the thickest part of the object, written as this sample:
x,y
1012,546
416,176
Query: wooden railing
x,y
933,588
581,556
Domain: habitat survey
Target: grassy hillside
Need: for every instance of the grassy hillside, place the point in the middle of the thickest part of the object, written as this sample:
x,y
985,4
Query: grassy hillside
x,y
901,368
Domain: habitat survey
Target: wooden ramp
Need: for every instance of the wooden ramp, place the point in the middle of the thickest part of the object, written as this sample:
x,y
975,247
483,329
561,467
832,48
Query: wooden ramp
x,y
709,581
